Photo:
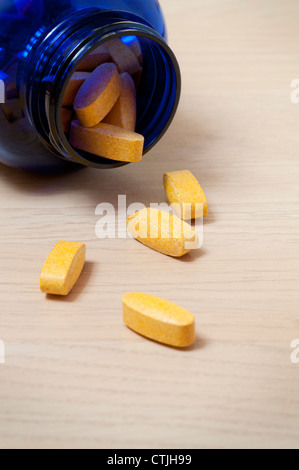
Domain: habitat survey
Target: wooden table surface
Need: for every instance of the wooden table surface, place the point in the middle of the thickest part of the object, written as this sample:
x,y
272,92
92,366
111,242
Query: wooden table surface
x,y
74,375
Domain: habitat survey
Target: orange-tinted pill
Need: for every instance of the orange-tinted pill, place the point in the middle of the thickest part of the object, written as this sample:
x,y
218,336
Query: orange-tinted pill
x,y
107,141
158,319
123,57
123,114
97,95
96,58
73,86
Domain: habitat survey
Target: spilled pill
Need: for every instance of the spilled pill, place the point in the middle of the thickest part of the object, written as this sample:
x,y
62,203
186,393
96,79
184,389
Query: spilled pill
x,y
123,57
108,141
158,319
123,114
185,194
97,95
62,268
162,232
73,86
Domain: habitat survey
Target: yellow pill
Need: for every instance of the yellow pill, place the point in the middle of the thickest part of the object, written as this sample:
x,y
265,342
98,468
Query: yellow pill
x,y
97,95
97,57
185,195
62,268
135,47
105,140
123,114
163,232
123,57
158,319
73,86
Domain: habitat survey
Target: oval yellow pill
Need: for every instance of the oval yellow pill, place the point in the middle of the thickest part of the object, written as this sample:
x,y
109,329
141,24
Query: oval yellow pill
x,y
163,232
96,58
73,86
123,57
158,319
135,47
62,268
185,194
123,114
97,95
108,141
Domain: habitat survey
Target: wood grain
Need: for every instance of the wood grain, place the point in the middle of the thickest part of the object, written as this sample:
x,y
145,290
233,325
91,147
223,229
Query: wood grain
x,y
75,376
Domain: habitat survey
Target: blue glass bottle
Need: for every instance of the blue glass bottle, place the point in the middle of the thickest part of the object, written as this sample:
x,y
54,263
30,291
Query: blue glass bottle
x,y
41,44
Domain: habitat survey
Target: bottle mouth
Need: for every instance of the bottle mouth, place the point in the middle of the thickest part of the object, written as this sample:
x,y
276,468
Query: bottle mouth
x,y
158,92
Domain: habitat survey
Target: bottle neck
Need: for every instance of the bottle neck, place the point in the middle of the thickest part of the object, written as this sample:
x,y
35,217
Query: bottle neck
x,y
55,57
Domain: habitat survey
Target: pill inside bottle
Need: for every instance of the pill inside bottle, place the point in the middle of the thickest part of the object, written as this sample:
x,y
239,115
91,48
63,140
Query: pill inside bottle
x,y
116,102
49,52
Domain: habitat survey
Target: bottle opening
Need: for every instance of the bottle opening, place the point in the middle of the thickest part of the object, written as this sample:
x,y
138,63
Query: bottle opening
x,y
156,78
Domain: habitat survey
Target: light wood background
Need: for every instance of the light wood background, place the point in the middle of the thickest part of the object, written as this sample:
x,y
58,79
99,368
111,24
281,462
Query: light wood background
x,y
75,376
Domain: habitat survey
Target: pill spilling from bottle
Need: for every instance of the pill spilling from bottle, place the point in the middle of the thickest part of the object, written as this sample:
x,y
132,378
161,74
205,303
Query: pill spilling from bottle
x,y
99,105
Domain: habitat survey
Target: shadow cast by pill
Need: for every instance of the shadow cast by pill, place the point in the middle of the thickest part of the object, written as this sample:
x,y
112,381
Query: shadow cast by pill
x,y
78,288
210,218
192,256
31,182
199,343
73,176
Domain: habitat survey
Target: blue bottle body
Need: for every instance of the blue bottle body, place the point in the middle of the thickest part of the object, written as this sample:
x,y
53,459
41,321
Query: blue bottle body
x,y
40,46
27,16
